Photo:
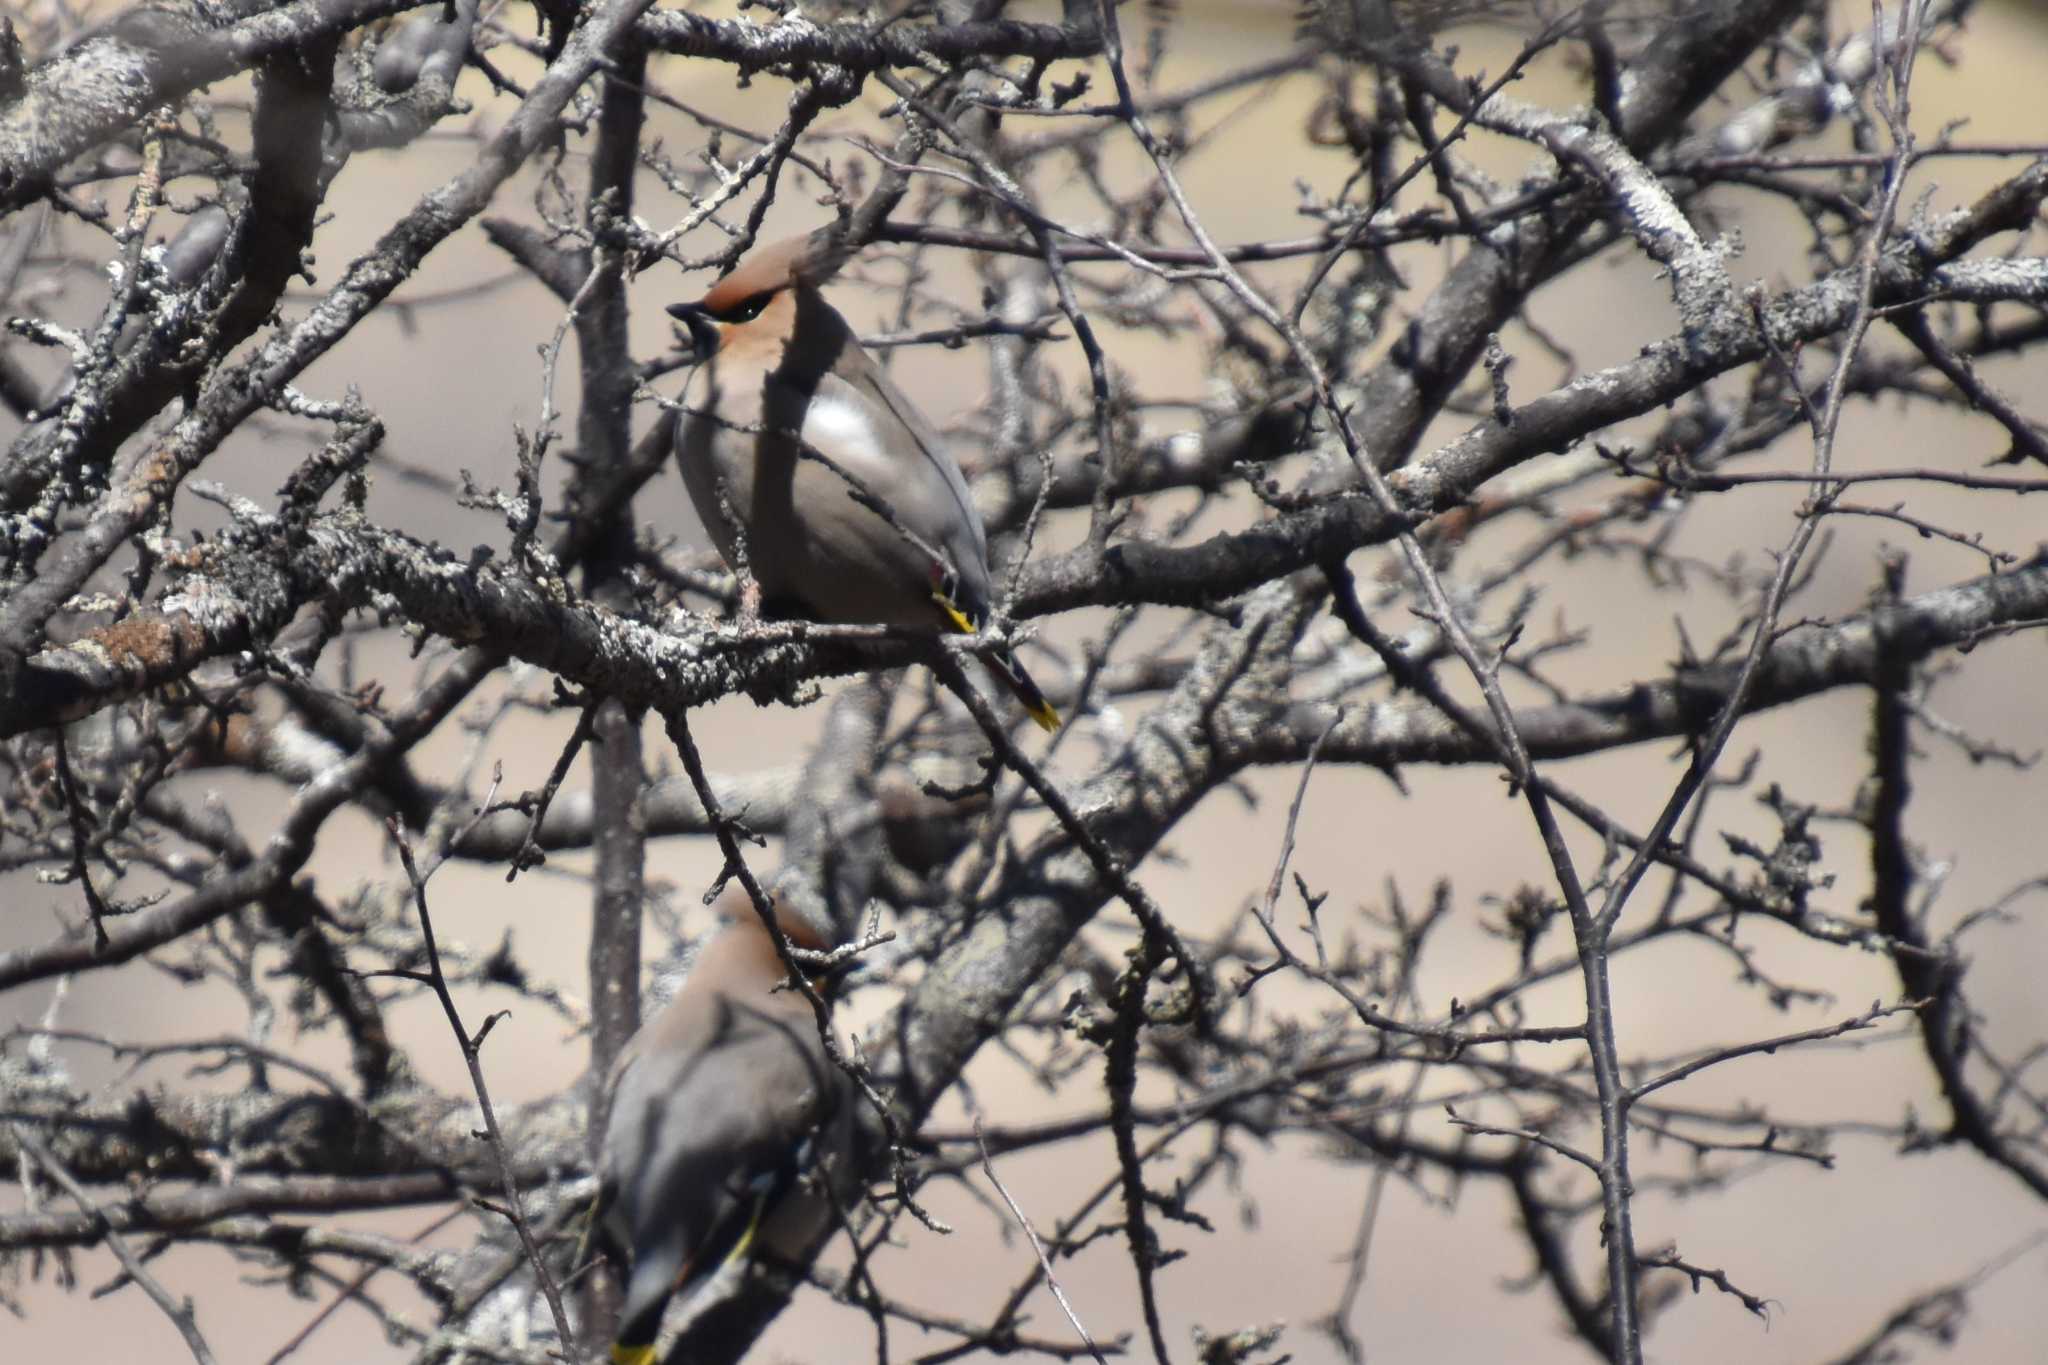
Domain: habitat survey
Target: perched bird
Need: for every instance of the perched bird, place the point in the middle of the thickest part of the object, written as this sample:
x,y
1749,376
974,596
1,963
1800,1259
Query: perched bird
x,y
812,469
726,1120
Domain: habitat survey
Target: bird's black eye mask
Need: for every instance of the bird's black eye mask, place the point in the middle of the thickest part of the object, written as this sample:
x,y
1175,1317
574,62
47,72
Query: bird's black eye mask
x,y
747,309
700,320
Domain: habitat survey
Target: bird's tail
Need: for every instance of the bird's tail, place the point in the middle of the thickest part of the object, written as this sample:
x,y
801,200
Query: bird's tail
x,y
1003,663
731,1239
1003,666
635,1345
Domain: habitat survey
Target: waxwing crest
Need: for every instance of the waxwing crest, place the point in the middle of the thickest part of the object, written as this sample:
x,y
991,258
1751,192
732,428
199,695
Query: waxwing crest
x,y
809,260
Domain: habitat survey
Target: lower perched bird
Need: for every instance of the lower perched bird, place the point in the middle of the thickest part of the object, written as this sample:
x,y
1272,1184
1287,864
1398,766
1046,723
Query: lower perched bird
x,y
726,1120
811,468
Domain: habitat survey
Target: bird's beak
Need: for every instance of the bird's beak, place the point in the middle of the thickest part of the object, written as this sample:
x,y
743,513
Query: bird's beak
x,y
703,331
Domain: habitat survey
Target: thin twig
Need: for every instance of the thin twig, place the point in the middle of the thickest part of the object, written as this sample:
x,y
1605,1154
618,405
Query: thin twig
x,y
1052,1281
472,1057
181,1314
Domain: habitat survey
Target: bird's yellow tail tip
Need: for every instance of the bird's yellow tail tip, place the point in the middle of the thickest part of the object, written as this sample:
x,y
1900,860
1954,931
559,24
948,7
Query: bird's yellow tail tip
x,y
622,1354
955,618
1048,719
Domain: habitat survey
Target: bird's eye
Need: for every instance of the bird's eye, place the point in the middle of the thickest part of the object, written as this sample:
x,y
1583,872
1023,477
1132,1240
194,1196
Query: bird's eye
x,y
747,309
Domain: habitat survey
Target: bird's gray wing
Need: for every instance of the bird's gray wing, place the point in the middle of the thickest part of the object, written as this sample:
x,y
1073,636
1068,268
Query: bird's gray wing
x,y
701,1141
913,469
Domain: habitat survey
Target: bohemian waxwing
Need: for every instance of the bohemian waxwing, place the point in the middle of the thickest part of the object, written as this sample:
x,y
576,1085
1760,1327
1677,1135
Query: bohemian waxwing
x,y
726,1120
807,463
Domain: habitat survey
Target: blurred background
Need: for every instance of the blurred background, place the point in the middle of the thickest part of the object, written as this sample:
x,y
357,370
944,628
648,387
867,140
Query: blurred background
x,y
454,365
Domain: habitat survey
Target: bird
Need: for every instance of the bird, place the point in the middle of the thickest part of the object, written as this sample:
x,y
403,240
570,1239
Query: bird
x,y
726,1122
814,471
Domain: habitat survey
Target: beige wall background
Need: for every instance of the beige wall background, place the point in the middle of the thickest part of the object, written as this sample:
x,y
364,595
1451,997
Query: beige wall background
x,y
1833,1250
